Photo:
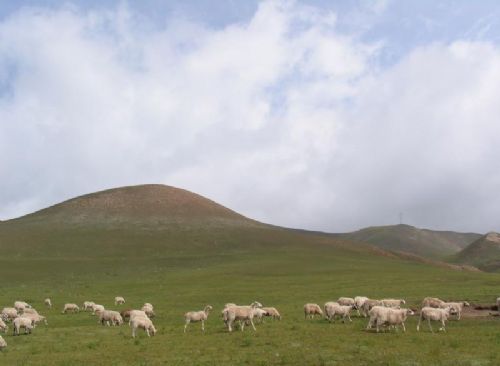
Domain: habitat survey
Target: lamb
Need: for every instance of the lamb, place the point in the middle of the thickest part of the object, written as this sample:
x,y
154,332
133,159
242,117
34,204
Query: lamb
x,y
108,316
381,315
88,305
368,304
70,307
240,313
3,326
346,301
358,302
197,316
393,303
312,309
96,309
21,305
336,309
22,322
433,302
435,314
9,314
142,323
272,312
48,303
456,307
3,344
119,300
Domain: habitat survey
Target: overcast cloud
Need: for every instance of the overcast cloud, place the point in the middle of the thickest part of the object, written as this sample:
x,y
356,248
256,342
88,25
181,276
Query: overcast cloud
x,y
285,117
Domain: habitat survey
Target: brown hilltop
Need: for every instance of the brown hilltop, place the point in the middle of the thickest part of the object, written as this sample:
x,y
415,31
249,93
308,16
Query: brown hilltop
x,y
152,203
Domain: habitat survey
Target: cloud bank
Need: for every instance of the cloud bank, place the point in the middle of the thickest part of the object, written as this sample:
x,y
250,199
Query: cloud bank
x,y
284,118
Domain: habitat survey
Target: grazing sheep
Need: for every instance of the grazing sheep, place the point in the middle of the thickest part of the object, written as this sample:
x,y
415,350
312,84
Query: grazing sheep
x,y
197,316
35,318
456,307
435,314
272,312
110,316
336,309
368,304
9,314
48,303
22,322
3,326
142,323
119,300
312,309
137,314
358,302
393,303
241,314
21,305
381,315
71,308
3,344
125,314
148,309
96,309
346,301
433,302
88,305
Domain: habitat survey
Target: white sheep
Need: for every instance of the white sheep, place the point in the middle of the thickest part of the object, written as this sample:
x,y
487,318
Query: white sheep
x,y
241,314
30,311
358,302
368,304
336,309
433,302
119,300
393,303
148,309
9,314
381,315
435,314
3,344
137,314
35,318
48,303
22,322
312,309
142,323
88,305
456,307
110,316
272,312
97,308
3,326
21,305
346,301
71,307
197,316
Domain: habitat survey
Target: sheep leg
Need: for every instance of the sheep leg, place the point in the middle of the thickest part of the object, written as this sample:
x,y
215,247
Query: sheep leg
x,y
429,322
349,317
443,326
202,325
418,325
459,314
147,332
253,326
404,328
185,325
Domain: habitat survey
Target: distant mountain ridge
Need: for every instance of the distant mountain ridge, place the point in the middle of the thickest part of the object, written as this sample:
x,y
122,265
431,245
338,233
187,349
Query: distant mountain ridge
x,y
409,239
483,253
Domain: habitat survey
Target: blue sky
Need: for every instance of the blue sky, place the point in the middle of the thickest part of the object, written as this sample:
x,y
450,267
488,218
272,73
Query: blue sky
x,y
324,115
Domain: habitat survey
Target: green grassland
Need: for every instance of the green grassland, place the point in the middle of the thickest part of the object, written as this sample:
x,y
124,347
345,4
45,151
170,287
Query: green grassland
x,y
184,266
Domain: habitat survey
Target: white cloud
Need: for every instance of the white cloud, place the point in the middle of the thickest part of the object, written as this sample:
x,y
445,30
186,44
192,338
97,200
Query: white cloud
x,y
282,118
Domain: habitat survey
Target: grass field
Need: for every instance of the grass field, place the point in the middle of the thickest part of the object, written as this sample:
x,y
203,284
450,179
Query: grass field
x,y
184,267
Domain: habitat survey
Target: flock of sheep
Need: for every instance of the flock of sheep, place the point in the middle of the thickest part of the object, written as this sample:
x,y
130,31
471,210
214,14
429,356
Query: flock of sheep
x,y
387,312
382,313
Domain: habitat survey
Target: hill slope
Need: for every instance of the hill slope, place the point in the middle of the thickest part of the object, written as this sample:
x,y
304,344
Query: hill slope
x,y
405,238
483,253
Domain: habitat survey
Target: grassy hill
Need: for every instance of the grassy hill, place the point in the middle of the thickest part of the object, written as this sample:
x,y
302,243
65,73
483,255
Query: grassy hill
x,y
409,239
483,253
181,256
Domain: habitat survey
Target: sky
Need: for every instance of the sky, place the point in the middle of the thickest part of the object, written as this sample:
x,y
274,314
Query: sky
x,y
321,115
